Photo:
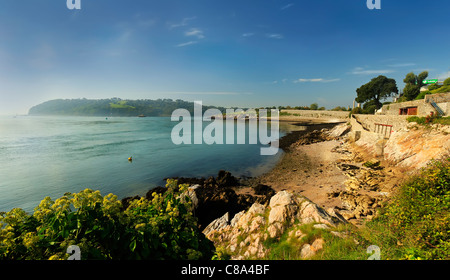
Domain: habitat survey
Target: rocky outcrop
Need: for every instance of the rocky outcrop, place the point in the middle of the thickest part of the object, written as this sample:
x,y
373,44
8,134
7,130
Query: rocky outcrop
x,y
245,234
414,146
324,134
215,197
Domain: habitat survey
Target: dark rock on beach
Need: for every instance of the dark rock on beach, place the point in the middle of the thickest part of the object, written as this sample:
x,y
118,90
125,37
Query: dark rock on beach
x,y
215,196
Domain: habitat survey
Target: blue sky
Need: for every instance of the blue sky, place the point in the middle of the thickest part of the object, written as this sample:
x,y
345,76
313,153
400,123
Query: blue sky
x,y
230,53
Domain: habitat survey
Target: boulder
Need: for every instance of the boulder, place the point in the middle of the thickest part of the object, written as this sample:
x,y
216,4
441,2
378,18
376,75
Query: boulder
x,y
287,207
245,233
339,130
225,179
217,224
309,251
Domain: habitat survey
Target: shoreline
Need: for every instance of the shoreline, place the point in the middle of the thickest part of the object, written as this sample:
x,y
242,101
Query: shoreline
x,y
301,168
316,163
333,174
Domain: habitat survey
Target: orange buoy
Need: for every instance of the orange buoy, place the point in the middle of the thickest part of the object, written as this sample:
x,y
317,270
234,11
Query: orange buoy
x,y
130,159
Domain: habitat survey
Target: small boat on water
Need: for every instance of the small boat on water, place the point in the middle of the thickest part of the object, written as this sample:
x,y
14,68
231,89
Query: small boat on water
x,y
142,116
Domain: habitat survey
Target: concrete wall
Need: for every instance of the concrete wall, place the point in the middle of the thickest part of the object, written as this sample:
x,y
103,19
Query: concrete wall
x,y
369,121
423,105
438,97
423,108
317,114
445,107
370,141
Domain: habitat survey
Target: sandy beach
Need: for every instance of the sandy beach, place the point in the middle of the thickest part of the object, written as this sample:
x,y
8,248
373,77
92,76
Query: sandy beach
x,y
316,171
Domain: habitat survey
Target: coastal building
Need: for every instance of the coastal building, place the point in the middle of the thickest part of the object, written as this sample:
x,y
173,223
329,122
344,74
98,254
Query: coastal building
x,y
438,104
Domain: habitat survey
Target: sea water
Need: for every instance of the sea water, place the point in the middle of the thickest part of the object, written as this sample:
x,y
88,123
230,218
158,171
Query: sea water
x,y
49,156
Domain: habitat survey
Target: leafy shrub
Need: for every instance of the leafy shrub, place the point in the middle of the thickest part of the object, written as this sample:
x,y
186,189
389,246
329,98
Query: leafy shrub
x,y
419,120
356,110
418,218
430,119
161,228
447,82
422,94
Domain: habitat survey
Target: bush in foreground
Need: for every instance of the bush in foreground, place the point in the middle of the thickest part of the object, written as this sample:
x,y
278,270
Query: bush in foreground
x,y
416,223
161,228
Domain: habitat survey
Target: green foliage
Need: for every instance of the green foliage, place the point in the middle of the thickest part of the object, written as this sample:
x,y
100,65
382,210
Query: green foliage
x,y
314,106
434,86
418,120
421,77
285,114
416,222
339,108
422,94
429,120
447,82
414,79
410,79
411,91
161,228
376,90
413,84
356,110
442,89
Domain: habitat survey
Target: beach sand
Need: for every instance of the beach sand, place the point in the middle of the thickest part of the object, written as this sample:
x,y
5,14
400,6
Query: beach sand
x,y
309,170
313,171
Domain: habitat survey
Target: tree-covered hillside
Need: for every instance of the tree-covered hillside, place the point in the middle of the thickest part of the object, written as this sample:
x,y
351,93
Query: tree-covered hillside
x,y
112,107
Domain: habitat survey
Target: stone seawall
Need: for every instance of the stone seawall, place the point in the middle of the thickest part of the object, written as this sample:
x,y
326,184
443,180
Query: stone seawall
x,y
316,114
369,121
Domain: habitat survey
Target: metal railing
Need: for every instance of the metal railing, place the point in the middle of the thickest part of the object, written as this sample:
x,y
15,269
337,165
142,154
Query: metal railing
x,y
385,129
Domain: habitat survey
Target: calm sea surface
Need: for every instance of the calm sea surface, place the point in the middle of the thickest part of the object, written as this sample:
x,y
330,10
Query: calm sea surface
x,y
48,156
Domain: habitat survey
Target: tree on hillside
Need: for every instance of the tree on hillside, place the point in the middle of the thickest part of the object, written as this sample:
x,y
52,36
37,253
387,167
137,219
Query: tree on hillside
x,y
377,89
413,84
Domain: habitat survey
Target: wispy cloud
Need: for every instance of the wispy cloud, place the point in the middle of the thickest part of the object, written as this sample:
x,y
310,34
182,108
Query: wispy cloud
x,y
248,34
186,44
195,32
402,65
318,80
184,22
362,71
287,6
274,36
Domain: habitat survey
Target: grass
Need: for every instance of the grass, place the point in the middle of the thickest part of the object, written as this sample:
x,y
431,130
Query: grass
x,y
423,120
416,222
442,89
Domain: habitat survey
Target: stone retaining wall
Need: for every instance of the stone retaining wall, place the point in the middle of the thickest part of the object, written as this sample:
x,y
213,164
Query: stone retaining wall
x,y
316,114
369,121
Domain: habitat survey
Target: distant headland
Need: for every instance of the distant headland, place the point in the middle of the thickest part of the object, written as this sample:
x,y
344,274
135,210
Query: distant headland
x,y
113,107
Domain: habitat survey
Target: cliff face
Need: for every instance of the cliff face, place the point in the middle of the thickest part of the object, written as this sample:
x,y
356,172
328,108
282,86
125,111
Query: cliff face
x,y
414,146
410,145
